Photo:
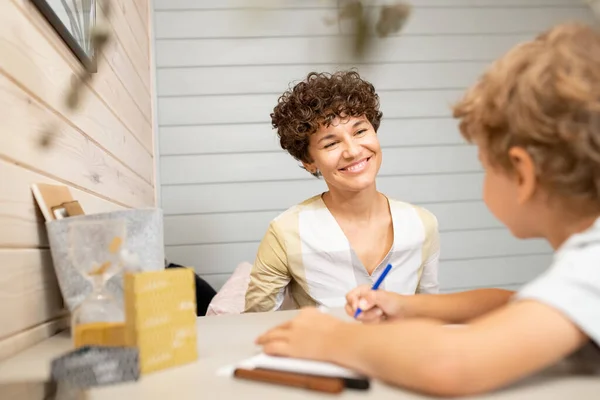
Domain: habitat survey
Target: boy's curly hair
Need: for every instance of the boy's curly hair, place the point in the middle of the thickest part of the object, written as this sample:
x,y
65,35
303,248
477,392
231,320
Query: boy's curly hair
x,y
544,96
318,100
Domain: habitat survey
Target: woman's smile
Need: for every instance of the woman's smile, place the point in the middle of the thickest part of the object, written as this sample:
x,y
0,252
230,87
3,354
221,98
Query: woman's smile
x,y
356,167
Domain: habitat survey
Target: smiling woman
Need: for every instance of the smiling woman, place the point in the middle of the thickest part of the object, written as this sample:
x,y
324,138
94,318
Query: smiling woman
x,y
320,249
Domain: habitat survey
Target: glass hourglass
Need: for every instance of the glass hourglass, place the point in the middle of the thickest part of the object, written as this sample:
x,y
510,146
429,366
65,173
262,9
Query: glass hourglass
x,y
94,248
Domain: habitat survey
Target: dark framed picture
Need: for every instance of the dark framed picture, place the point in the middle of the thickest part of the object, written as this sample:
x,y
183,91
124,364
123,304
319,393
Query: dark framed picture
x,y
73,20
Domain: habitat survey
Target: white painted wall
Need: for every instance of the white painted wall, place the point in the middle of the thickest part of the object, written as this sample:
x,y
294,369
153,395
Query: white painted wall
x,y
221,66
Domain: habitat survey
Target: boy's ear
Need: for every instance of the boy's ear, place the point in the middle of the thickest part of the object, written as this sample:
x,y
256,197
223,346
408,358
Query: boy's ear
x,y
524,169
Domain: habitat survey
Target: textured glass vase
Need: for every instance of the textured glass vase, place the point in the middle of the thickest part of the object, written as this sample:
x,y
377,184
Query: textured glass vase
x,y
95,248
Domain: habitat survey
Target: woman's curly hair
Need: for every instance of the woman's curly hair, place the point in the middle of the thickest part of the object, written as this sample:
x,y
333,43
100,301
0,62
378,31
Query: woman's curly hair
x,y
317,101
544,96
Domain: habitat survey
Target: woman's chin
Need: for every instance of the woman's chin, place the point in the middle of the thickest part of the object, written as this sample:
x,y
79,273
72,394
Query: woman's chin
x,y
353,183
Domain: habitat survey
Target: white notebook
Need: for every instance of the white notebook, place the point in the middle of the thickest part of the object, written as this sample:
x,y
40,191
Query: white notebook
x,y
291,365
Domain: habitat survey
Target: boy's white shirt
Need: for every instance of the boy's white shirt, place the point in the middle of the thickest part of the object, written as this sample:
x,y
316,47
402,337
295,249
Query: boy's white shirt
x,y
572,283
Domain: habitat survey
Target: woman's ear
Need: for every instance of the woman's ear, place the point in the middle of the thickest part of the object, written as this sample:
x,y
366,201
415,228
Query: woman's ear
x,y
524,170
310,167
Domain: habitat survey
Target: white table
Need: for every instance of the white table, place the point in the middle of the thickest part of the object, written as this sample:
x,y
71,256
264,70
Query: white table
x,y
225,340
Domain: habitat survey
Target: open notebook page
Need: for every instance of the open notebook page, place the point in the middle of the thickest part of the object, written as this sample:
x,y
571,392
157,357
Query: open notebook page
x,y
292,365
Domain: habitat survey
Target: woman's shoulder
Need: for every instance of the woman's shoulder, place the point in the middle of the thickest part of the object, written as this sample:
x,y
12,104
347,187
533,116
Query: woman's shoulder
x,y
427,217
291,215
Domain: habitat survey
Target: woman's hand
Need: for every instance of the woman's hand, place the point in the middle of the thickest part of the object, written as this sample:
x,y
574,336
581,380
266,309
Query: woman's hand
x,y
376,305
312,334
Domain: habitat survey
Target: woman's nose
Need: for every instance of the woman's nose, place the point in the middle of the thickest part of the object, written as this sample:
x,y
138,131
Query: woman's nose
x,y
352,149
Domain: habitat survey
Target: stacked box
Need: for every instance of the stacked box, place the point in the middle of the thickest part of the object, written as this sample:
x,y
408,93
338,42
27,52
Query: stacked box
x,y
110,334
160,313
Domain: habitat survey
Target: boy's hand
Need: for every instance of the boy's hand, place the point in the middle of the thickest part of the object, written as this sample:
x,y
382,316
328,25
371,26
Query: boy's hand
x,y
312,334
376,305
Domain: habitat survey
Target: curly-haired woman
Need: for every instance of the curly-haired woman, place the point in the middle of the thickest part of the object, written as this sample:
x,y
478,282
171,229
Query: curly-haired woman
x,y
327,245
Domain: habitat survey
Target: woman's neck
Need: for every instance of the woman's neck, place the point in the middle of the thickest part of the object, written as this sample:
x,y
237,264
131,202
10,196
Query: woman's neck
x,y
361,206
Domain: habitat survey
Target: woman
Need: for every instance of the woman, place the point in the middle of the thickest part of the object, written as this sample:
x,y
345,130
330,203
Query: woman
x,y
327,245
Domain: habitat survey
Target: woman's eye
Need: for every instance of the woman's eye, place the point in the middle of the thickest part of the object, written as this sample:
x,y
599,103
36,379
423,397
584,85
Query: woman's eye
x,y
328,145
362,131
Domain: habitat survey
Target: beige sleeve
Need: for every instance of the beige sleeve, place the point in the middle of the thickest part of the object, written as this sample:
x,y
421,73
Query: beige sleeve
x,y
428,273
270,274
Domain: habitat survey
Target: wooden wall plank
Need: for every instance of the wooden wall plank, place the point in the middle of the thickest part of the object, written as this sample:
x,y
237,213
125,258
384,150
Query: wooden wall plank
x,y
135,78
312,22
143,9
250,196
73,157
22,223
29,293
299,4
279,165
261,137
23,340
480,21
501,270
132,33
274,79
244,23
229,109
315,50
29,58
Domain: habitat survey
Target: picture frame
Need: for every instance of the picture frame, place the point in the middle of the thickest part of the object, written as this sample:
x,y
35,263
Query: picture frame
x,y
74,21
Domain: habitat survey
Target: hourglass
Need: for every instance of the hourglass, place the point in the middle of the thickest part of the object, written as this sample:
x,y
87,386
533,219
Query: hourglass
x,y
94,247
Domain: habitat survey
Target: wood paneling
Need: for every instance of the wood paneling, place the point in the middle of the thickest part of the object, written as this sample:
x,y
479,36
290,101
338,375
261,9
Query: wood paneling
x,y
273,79
30,59
21,341
314,50
260,137
133,35
71,156
279,166
229,109
29,291
232,4
103,151
22,223
311,22
279,195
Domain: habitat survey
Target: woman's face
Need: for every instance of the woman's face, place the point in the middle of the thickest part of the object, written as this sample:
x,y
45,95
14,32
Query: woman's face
x,y
347,153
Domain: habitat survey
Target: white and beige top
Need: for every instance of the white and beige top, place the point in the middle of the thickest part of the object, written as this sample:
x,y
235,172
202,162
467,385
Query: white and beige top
x,y
306,253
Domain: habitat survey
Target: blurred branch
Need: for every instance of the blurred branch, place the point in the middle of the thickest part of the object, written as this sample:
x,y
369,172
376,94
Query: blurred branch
x,y
99,37
391,20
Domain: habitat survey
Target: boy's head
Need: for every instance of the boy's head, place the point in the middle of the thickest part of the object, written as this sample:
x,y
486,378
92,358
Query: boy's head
x,y
329,123
535,116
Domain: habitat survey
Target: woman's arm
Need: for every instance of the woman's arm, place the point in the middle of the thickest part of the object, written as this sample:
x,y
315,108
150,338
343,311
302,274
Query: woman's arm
x,y
270,274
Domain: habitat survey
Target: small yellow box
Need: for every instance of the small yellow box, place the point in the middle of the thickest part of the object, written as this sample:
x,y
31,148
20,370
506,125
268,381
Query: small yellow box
x,y
100,334
160,311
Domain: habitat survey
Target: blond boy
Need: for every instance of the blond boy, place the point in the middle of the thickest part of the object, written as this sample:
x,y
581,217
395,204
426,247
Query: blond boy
x,y
535,117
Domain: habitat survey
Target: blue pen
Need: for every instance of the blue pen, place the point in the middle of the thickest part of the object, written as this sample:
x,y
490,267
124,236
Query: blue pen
x,y
376,285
